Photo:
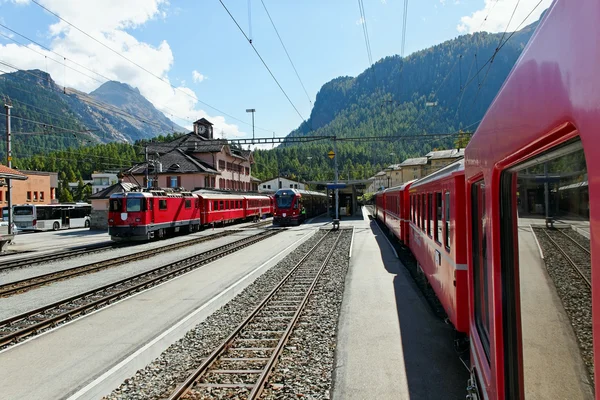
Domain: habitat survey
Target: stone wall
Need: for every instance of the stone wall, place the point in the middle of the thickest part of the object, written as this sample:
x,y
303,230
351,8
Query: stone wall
x,y
99,219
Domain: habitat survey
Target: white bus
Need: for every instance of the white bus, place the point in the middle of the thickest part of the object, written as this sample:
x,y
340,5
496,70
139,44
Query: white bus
x,y
51,216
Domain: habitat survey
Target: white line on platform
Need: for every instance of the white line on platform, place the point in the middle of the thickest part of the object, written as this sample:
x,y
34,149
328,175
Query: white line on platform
x,y
131,357
351,244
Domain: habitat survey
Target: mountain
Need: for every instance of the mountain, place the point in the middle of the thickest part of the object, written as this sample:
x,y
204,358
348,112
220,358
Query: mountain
x,y
113,112
442,89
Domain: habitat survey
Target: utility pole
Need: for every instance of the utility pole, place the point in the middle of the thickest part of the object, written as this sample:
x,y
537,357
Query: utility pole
x,y
147,166
7,107
337,191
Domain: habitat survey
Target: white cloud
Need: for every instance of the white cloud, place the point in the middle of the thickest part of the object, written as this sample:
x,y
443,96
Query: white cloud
x,y
443,2
384,2
498,14
360,21
106,21
197,76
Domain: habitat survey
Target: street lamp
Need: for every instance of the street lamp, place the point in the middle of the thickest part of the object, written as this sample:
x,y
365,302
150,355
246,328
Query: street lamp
x,y
252,110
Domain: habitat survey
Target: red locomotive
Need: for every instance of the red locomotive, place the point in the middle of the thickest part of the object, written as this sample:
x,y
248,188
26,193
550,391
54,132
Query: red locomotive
x,y
532,321
146,214
293,206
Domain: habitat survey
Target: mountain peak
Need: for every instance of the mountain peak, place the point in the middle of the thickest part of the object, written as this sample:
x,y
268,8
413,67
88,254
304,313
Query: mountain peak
x,y
114,87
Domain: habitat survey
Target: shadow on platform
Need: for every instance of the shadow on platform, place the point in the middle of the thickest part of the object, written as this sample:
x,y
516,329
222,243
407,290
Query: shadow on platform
x,y
433,368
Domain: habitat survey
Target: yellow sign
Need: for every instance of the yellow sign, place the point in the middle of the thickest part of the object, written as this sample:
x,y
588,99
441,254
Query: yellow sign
x,y
331,154
9,158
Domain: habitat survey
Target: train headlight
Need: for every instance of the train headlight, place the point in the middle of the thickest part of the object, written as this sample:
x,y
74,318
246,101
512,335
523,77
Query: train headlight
x,y
137,220
111,220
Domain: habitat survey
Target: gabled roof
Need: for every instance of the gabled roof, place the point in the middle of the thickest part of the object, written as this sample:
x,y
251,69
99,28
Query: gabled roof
x,y
116,188
414,161
453,153
10,173
176,161
190,143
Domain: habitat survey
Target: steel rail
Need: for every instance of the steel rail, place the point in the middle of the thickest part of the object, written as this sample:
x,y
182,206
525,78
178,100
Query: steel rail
x,y
264,372
576,242
569,260
59,255
40,280
156,275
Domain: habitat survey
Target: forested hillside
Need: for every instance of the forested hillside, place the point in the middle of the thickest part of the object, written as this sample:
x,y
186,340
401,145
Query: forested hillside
x,y
391,98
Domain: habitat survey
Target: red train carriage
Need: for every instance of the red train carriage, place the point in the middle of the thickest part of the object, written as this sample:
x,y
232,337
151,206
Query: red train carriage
x,y
293,206
396,203
155,213
536,157
437,238
221,208
380,206
258,205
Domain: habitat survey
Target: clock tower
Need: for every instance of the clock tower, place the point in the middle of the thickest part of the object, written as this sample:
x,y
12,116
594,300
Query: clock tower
x,y
203,128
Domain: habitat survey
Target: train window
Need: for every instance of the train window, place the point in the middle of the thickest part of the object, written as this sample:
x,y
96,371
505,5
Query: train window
x,y
447,221
221,205
546,276
429,212
412,209
188,203
150,204
215,205
162,204
134,205
480,264
437,230
115,205
418,210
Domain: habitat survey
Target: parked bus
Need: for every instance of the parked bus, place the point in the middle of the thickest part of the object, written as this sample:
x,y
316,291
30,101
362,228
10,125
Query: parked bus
x,y
52,216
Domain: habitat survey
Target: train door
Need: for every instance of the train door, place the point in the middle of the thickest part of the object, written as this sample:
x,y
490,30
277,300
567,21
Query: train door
x,y
151,209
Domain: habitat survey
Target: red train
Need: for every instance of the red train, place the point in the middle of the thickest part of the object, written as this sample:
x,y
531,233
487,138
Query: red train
x,y
143,215
293,206
532,322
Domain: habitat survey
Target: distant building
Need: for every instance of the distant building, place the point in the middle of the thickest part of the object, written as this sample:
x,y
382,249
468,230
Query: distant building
x,y
102,180
39,188
274,184
414,168
195,161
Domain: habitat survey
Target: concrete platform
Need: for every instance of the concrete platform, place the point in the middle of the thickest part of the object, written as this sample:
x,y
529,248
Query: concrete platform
x,y
390,345
87,358
547,332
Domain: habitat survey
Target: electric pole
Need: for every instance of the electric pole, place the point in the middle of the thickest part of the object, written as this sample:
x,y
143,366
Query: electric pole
x,y
7,107
252,110
147,166
337,191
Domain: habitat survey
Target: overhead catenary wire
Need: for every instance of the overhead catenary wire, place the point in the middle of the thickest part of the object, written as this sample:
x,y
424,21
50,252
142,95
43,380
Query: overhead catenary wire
x,y
363,23
194,97
262,60
286,52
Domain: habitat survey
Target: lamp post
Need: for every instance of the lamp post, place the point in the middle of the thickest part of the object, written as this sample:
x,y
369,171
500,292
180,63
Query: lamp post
x,y
252,110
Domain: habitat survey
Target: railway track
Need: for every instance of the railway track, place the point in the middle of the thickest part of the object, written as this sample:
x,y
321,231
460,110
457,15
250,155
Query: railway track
x,y
578,257
62,255
59,255
32,322
241,365
23,285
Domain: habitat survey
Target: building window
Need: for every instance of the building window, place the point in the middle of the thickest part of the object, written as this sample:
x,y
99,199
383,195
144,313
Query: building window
x,y
28,196
247,171
173,181
35,196
1,196
212,182
221,164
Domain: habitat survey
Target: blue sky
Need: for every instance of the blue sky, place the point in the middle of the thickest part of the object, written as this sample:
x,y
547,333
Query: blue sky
x,y
197,47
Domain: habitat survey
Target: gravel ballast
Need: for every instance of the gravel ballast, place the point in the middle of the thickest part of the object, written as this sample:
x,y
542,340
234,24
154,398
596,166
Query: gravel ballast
x,y
575,295
160,378
306,364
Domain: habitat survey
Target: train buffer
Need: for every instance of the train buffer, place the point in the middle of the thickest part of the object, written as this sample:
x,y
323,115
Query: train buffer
x,y
336,224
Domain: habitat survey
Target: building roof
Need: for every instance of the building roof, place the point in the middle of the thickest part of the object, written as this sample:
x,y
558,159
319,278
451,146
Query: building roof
x,y
453,153
9,173
380,173
414,161
176,161
116,188
457,166
253,179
